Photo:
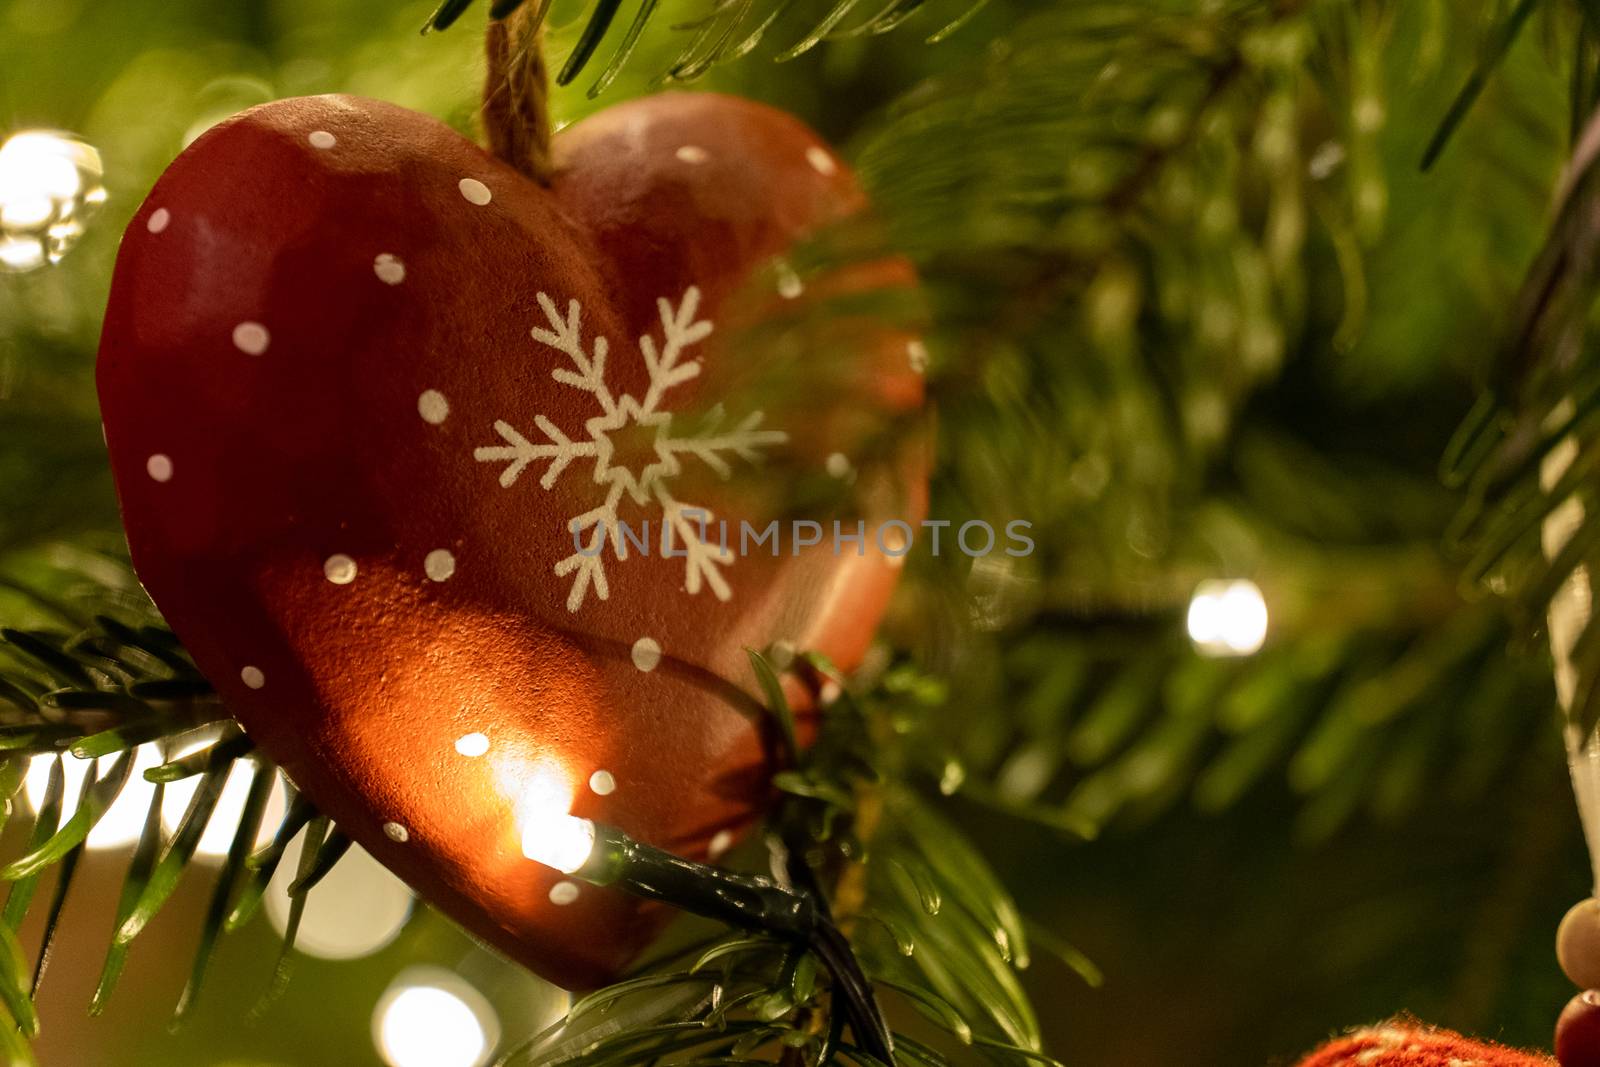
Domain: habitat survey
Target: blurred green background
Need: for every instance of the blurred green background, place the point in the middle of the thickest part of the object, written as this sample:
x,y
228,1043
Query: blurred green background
x,y
1196,313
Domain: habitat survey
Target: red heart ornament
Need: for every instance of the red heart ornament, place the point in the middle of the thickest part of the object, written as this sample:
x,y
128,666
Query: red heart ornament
x,y
376,403
1404,1043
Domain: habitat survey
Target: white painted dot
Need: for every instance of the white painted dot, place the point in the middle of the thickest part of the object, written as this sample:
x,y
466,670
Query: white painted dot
x,y
781,654
917,356
396,833
789,283
159,467
158,220
340,569
475,191
433,407
603,783
439,565
829,692
564,893
322,139
895,541
252,677
389,269
646,654
251,338
692,153
721,843
472,745
821,161
838,465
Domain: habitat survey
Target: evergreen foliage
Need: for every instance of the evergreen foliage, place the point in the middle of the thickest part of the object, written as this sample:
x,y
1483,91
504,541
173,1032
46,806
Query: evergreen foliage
x,y
1195,309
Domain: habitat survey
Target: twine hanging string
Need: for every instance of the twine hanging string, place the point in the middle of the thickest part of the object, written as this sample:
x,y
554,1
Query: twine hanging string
x,y
516,92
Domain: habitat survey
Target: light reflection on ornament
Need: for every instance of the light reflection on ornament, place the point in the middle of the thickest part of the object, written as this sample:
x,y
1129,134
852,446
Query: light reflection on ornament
x,y
122,822
50,183
1227,618
224,821
429,1017
357,908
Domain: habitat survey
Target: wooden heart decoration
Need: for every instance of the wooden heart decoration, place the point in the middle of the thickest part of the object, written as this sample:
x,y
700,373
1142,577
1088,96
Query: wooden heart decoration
x,y
377,406
1404,1043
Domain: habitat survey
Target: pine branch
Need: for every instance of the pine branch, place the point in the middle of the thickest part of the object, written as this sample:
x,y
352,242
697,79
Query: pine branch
x,y
931,922
99,694
1118,213
1499,41
1090,734
1531,445
104,691
1116,260
928,917
728,30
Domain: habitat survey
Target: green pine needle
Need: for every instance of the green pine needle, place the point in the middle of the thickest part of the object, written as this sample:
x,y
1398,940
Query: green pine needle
x,y
1503,35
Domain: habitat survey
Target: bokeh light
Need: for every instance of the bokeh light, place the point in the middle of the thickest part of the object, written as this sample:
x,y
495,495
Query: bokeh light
x,y
430,1017
357,909
224,822
1227,618
122,822
50,183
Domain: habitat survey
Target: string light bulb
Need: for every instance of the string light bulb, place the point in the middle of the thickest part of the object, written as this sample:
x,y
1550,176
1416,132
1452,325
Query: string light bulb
x,y
551,834
1227,618
603,855
50,184
564,842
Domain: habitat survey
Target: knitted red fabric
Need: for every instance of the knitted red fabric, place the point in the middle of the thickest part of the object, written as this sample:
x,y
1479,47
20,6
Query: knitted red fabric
x,y
1408,1044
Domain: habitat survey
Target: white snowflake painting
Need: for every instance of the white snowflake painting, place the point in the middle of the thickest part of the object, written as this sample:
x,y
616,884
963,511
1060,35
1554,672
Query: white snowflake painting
x,y
681,524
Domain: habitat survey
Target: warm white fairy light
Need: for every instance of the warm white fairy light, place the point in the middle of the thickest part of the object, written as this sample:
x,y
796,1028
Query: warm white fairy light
x,y
49,185
1227,618
224,821
564,842
551,834
357,909
430,1017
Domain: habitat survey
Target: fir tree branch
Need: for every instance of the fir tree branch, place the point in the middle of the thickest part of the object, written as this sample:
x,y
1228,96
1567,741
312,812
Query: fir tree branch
x,y
851,828
1530,446
99,694
725,32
